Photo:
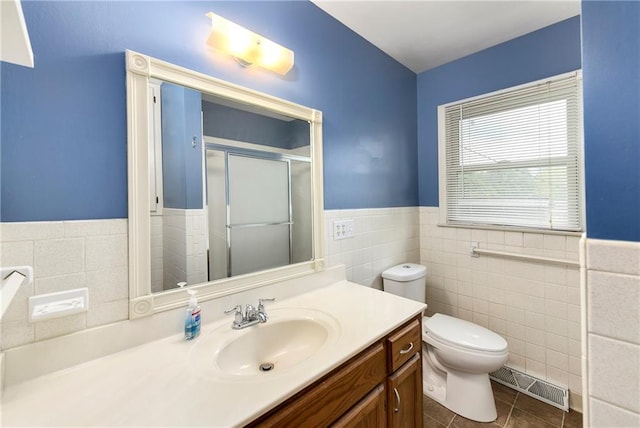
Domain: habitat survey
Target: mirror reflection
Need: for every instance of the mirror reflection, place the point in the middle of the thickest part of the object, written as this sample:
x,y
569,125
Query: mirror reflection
x,y
230,188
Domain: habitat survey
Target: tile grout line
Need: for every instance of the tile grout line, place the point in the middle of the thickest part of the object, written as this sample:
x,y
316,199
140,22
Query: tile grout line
x,y
513,405
613,338
506,422
610,403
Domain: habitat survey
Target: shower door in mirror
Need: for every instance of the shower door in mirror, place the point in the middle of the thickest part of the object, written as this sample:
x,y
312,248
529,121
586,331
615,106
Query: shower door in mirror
x,y
253,209
259,214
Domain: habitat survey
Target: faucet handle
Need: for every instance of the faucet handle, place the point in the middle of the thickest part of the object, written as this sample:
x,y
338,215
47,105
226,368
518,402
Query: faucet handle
x,y
238,310
261,305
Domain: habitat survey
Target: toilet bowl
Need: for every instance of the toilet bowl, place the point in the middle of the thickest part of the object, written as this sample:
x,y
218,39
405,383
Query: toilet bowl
x,y
457,355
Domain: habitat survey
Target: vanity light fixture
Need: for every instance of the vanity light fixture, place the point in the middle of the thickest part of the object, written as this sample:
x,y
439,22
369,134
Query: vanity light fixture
x,y
248,47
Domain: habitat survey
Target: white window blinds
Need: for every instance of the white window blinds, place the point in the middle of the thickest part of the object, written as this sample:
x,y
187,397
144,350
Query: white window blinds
x,y
513,158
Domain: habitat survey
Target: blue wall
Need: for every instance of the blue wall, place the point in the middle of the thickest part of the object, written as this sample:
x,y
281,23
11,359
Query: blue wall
x,y
543,53
611,72
181,162
233,124
63,128
63,149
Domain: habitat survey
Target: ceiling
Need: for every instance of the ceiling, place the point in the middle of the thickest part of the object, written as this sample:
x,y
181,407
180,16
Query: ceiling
x,y
425,34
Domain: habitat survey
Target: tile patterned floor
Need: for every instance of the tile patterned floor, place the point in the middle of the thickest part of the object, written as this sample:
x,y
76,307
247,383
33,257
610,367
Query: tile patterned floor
x,y
515,410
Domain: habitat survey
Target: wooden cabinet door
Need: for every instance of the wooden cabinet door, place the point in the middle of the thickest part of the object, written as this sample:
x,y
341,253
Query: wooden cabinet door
x,y
328,400
404,395
370,412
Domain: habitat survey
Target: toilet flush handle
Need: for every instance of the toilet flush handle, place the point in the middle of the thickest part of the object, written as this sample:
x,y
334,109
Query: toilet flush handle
x,y
406,351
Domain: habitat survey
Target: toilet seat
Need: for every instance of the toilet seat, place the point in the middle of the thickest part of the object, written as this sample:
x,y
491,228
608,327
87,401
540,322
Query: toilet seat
x,y
463,335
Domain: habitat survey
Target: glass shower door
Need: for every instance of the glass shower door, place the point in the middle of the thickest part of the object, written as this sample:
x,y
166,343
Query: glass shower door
x,y
259,213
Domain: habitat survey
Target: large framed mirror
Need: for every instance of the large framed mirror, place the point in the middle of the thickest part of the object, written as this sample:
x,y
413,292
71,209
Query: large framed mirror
x,y
225,186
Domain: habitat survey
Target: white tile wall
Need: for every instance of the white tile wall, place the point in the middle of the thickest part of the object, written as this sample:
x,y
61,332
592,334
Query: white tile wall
x,y
614,305
58,257
196,244
535,306
157,263
173,247
384,237
605,415
613,332
66,255
184,247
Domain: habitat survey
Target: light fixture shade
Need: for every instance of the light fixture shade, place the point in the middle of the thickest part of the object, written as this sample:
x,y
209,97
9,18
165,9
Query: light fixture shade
x,y
248,47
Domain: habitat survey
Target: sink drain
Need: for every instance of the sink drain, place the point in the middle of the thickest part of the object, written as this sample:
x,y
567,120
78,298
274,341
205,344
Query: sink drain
x,y
265,367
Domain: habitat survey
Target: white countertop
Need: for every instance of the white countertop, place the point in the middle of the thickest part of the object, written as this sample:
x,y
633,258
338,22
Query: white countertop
x,y
157,384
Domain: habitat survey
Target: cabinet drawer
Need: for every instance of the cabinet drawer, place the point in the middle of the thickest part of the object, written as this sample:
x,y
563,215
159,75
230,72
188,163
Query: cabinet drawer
x,y
403,344
325,402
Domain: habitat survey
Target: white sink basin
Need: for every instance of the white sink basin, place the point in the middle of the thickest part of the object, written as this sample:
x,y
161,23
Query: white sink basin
x,y
272,346
290,337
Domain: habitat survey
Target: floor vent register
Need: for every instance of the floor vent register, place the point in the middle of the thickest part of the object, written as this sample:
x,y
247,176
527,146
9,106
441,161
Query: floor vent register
x,y
532,386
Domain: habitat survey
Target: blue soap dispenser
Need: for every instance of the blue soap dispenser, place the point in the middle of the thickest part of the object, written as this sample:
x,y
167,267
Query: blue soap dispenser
x,y
192,319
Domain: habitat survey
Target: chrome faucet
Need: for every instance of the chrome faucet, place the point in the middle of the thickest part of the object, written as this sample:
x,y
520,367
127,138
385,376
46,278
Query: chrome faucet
x,y
251,316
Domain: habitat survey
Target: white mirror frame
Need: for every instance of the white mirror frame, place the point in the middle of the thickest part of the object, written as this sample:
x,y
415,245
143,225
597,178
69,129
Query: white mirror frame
x,y
141,68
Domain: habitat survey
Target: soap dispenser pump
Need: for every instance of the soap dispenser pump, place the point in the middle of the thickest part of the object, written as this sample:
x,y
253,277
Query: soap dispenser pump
x,y
192,319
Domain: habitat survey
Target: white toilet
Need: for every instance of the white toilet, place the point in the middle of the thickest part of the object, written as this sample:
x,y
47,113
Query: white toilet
x,y
457,355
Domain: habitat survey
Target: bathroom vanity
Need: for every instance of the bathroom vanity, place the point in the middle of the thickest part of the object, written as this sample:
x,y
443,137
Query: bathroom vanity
x,y
362,365
381,386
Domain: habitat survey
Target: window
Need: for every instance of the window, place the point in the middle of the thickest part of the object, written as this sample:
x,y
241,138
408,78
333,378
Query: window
x,y
513,158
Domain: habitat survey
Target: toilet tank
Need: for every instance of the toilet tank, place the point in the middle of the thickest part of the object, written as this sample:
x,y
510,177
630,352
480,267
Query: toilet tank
x,y
406,280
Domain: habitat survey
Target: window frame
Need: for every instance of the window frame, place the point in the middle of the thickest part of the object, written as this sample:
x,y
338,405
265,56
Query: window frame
x,y
442,162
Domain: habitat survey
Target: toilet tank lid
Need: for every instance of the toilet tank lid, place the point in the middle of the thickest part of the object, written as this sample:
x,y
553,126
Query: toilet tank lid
x,y
405,272
464,333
